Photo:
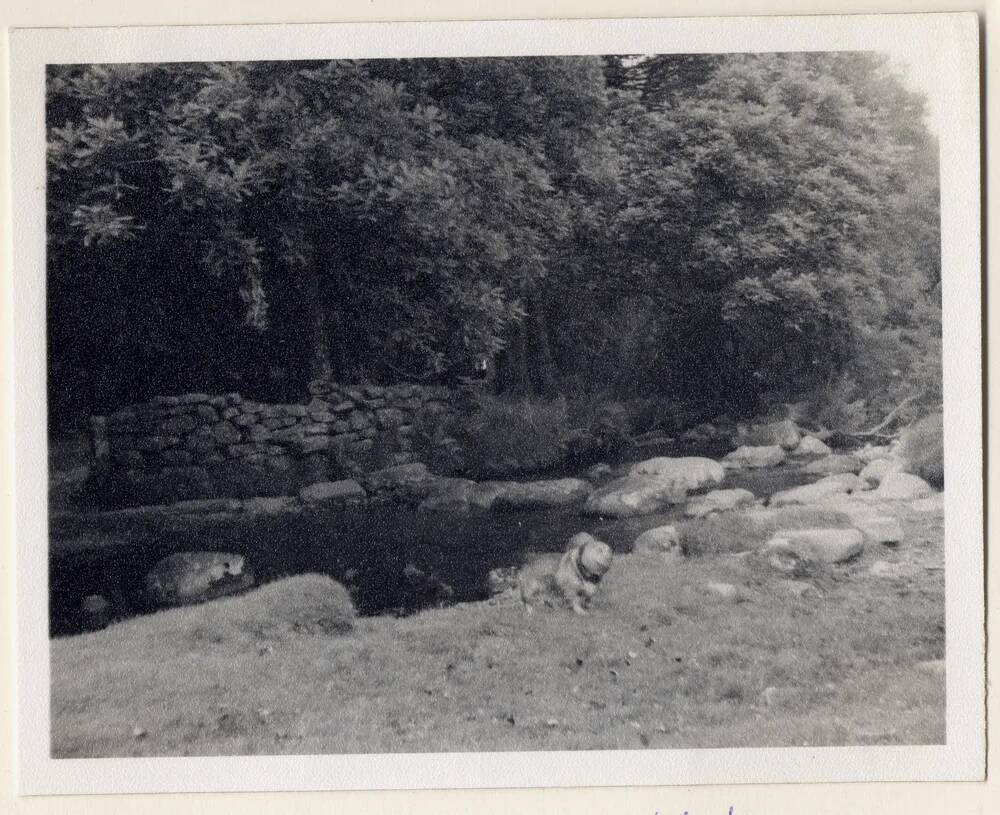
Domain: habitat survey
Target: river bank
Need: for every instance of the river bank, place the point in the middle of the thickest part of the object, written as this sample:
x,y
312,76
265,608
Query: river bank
x,y
661,661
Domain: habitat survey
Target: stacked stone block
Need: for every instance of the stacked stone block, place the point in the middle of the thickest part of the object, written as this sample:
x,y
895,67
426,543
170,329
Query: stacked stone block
x,y
197,445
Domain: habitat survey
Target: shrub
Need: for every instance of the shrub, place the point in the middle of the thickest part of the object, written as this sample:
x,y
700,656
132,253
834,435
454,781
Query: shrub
x,y
835,405
745,531
302,604
434,435
507,435
601,429
922,449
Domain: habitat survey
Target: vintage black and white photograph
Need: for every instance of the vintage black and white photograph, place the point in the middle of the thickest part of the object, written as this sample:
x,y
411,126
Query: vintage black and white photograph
x,y
489,404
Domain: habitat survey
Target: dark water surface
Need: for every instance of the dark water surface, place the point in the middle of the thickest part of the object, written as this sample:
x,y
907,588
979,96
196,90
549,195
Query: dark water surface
x,y
376,549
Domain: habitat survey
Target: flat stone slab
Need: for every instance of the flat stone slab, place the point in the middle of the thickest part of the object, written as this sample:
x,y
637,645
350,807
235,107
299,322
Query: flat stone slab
x,y
831,488
686,472
208,505
718,501
634,495
814,546
541,494
271,505
345,491
747,457
834,464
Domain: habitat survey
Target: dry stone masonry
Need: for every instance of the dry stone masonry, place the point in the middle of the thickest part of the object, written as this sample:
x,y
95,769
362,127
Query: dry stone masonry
x,y
200,446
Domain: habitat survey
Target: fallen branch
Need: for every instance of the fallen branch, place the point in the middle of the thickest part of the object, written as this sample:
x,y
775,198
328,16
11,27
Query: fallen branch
x,y
889,419
879,431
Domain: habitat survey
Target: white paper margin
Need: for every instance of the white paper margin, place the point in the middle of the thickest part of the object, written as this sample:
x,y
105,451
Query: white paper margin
x,y
952,40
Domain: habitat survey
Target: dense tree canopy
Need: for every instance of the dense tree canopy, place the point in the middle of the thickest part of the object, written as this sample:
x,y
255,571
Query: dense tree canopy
x,y
715,228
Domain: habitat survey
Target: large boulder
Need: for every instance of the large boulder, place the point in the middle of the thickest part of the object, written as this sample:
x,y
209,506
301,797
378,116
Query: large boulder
x,y
746,457
686,472
404,482
501,581
921,448
831,488
795,550
663,542
811,446
461,495
193,577
870,452
834,464
785,434
880,529
900,486
336,493
718,501
95,612
449,495
634,495
542,494
877,469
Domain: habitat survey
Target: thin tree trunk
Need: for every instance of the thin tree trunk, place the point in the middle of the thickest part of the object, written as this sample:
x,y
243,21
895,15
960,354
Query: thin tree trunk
x,y
319,329
319,362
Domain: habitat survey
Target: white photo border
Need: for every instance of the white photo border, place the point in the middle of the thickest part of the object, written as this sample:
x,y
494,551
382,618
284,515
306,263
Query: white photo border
x,y
952,40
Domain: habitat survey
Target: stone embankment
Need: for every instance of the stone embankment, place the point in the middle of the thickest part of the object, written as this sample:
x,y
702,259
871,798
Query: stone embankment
x,y
195,445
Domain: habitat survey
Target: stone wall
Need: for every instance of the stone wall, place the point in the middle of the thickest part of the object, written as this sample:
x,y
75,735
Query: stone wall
x,y
197,445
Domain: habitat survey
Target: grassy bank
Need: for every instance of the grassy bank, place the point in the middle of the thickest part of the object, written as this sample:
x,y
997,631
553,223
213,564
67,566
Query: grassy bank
x,y
660,662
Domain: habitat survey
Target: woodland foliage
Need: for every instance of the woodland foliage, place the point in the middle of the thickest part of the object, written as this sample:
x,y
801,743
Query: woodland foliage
x,y
722,229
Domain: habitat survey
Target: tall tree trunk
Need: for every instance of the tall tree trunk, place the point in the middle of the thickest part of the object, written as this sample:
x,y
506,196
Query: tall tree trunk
x,y
515,376
546,373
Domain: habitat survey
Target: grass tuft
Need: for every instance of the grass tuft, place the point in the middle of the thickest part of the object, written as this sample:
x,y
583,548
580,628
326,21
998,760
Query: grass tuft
x,y
302,604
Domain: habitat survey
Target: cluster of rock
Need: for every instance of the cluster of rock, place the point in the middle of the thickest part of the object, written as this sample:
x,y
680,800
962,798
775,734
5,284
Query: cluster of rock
x,y
197,446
